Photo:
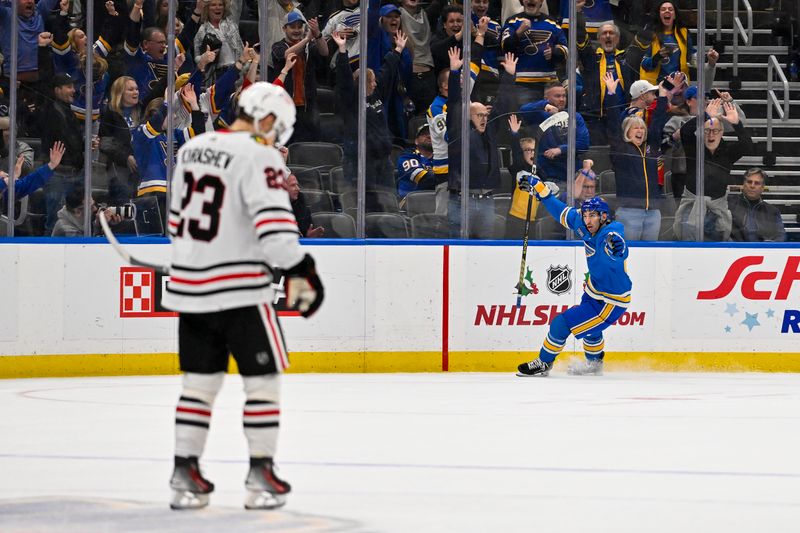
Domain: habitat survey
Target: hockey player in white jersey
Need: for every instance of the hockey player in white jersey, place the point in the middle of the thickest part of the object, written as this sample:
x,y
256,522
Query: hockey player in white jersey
x,y
230,224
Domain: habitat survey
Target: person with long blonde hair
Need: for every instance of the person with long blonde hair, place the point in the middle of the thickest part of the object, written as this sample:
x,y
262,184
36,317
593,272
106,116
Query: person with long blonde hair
x,y
635,150
119,119
219,32
70,49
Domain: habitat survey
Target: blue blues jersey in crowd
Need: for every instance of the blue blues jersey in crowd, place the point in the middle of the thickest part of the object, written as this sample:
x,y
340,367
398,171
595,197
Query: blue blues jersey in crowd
x,y
608,277
532,66
596,13
491,46
66,61
412,168
150,150
141,66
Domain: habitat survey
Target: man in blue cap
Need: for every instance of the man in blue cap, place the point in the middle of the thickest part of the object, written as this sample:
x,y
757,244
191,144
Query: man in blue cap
x,y
384,23
305,46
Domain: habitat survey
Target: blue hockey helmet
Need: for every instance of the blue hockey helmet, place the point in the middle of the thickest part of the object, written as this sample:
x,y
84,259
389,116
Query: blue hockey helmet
x,y
596,204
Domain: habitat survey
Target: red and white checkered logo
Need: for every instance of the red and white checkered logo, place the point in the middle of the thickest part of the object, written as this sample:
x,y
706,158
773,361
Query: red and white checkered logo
x,y
139,293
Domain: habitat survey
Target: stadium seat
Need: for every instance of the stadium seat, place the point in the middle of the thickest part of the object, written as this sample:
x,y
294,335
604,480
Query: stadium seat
x,y
337,225
36,144
331,128
506,182
326,100
418,202
499,226
611,200
606,182
386,226
307,177
320,155
338,182
505,155
429,226
100,179
318,201
601,155
502,203
547,228
396,151
375,201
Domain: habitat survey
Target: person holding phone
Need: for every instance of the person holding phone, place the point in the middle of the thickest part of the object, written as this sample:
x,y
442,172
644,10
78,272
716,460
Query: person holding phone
x,y
671,48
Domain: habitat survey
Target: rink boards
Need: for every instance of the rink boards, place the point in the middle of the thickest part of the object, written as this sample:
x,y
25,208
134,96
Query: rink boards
x,y
77,310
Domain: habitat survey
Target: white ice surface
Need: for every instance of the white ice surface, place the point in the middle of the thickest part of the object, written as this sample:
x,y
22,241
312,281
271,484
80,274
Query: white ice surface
x,y
626,452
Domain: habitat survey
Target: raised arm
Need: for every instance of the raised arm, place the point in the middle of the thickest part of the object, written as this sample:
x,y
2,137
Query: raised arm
x,y
133,33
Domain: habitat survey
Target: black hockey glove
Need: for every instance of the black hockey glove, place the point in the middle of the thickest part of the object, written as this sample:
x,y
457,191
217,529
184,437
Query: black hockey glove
x,y
615,244
304,291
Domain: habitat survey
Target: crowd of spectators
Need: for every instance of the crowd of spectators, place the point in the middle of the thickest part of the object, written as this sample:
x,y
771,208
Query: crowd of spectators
x,y
634,86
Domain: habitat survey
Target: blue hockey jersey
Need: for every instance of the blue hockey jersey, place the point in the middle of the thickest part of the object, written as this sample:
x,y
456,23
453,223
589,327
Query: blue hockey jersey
x,y
608,274
596,13
150,150
532,66
412,168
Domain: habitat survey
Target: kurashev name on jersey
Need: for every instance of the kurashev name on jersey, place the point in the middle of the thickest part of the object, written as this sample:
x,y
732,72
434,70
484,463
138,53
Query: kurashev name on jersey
x,y
207,156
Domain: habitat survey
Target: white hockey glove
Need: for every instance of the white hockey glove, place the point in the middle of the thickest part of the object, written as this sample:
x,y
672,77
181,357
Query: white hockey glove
x,y
304,291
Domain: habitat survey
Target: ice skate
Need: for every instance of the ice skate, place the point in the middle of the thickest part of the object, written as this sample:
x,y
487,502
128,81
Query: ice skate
x,y
587,367
190,489
537,367
265,490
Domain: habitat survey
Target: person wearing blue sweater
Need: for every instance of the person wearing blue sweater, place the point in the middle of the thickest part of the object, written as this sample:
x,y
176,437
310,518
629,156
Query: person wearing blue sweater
x,y
551,158
607,291
36,179
30,17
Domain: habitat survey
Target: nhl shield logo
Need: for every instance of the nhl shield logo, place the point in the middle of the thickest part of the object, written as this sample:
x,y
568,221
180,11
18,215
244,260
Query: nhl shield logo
x,y
559,279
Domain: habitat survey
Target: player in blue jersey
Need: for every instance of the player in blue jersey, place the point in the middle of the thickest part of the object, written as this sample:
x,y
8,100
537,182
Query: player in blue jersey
x,y
607,291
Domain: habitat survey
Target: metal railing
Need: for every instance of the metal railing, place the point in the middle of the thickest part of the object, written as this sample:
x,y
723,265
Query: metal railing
x,y
739,30
772,99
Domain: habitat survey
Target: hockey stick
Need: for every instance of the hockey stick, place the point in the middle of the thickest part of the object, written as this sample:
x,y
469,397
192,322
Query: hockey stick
x,y
523,261
560,119
125,254
524,250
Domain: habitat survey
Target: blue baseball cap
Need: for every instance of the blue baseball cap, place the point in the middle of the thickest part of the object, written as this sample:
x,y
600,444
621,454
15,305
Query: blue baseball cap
x,y
294,16
690,93
389,8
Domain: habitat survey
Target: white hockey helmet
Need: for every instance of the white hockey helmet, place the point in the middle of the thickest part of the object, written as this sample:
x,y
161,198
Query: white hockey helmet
x,y
263,99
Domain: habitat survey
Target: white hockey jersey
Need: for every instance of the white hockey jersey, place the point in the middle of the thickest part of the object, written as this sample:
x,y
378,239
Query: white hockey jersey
x,y
345,18
230,219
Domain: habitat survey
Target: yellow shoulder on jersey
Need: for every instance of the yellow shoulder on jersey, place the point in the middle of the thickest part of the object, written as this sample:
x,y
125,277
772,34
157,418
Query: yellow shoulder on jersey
x,y
260,139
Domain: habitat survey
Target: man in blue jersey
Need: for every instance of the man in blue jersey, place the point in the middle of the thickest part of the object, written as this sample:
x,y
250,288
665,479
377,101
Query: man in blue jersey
x,y
540,46
607,291
415,165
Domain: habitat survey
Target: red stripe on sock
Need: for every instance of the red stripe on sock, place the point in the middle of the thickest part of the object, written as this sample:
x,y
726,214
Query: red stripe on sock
x,y
189,410
262,413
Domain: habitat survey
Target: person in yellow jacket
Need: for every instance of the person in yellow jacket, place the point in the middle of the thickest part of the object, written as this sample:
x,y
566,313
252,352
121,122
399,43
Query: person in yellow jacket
x,y
523,153
671,48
